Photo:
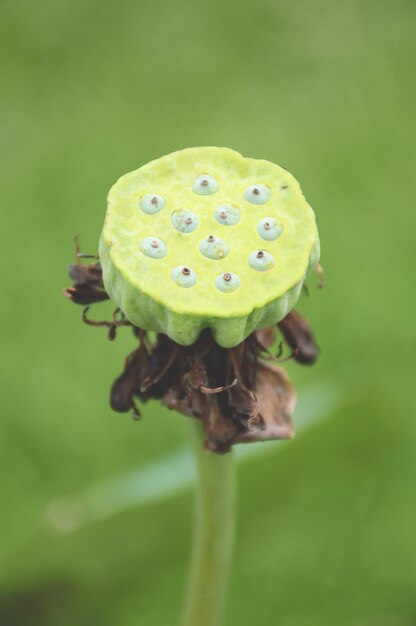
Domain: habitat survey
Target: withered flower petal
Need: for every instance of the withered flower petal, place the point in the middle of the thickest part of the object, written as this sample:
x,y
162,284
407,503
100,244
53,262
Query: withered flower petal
x,y
86,274
299,336
85,294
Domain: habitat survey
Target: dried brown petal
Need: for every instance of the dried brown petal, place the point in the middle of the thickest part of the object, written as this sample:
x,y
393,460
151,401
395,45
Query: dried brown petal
x,y
128,384
85,294
255,408
299,336
276,398
88,286
86,274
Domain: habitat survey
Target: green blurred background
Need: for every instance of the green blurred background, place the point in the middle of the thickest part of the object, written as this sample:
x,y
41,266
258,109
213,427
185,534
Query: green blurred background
x,y
91,90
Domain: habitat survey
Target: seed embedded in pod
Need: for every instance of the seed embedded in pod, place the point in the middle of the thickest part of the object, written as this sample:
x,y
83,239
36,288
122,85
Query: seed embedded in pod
x,y
205,185
261,260
151,203
184,276
227,282
184,221
153,247
269,229
257,194
227,214
214,248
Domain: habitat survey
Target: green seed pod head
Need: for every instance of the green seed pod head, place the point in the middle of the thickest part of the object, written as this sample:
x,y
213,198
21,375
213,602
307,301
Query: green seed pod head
x,y
228,247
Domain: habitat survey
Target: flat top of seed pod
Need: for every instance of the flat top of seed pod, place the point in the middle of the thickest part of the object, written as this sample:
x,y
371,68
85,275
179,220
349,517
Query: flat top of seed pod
x,y
205,231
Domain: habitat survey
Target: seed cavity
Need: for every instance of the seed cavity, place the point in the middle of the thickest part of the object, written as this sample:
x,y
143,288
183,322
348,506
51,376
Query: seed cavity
x,y
153,247
214,248
183,276
184,221
257,194
227,282
261,260
228,215
269,229
151,203
205,185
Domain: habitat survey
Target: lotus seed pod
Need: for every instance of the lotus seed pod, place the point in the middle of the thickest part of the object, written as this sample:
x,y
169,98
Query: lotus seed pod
x,y
217,209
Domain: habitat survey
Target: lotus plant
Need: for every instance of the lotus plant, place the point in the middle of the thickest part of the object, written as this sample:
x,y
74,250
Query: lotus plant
x,y
205,253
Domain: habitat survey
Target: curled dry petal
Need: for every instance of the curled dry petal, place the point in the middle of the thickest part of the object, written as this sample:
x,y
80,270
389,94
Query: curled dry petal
x,y
86,274
260,415
254,404
127,385
276,400
85,294
299,336
88,284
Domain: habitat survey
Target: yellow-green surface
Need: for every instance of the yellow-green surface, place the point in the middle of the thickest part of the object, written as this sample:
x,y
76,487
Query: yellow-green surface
x,y
89,90
143,286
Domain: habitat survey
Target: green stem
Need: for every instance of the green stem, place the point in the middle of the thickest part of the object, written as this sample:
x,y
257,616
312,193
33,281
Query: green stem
x,y
213,539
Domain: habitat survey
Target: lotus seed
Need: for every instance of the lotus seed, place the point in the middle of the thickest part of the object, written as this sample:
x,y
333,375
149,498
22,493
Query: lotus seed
x,y
184,221
227,282
227,214
205,185
268,228
153,247
257,194
151,203
261,260
214,247
183,276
